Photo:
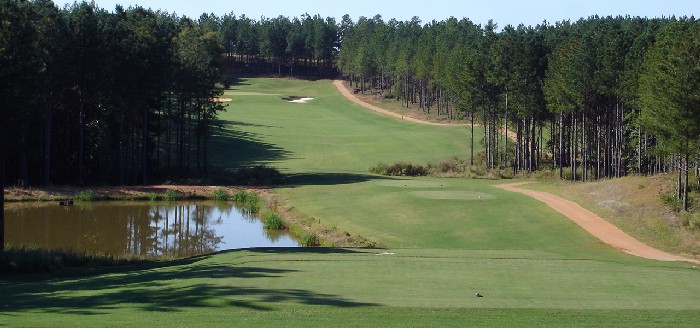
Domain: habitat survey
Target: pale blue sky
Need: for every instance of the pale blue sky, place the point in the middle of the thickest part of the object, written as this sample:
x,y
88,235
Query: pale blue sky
x,y
503,12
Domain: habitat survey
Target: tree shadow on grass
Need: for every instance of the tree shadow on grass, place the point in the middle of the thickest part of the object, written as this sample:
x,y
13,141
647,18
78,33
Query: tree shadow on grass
x,y
171,287
326,179
232,148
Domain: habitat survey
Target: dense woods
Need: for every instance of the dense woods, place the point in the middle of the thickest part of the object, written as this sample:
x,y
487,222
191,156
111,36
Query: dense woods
x,y
93,97
90,96
597,98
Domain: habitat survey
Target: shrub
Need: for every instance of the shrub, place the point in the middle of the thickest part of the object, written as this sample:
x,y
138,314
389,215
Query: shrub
x,y
170,195
248,201
694,221
670,200
272,221
86,196
240,196
310,240
153,197
399,169
220,194
379,168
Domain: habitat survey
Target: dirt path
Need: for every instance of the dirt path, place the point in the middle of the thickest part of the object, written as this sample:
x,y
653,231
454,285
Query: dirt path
x,y
345,92
339,84
596,226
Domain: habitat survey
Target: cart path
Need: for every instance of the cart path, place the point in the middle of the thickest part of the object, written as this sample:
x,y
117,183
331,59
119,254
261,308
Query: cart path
x,y
596,226
345,92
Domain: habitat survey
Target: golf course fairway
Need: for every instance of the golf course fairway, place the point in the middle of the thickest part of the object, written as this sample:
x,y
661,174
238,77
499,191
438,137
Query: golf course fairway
x,y
444,241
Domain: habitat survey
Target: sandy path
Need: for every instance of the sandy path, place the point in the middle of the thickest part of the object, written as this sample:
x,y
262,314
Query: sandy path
x,y
596,226
345,92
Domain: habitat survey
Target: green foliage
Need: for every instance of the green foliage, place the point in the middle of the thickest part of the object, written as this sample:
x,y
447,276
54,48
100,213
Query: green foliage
x,y
398,169
454,168
86,196
272,221
249,201
220,194
170,195
152,197
240,196
673,202
310,240
694,221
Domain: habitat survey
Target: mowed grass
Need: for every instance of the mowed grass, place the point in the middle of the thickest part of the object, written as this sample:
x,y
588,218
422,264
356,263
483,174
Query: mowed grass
x,y
357,287
325,135
444,239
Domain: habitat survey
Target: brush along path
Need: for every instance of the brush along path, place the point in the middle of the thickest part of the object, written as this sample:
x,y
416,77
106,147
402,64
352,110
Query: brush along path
x,y
345,92
596,226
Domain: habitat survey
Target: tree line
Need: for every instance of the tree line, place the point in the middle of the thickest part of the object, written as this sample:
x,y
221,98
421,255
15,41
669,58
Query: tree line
x,y
601,97
96,97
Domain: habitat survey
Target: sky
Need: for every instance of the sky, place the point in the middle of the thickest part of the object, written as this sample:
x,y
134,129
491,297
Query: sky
x,y
503,12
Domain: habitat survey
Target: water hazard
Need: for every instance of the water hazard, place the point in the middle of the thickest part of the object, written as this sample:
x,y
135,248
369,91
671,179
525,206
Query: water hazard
x,y
151,230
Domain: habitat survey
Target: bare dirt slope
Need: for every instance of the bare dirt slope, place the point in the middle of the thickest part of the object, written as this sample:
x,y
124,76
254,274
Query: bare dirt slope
x,y
596,226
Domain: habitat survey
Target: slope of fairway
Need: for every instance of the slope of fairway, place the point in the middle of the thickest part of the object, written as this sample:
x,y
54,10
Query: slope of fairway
x,y
446,240
325,135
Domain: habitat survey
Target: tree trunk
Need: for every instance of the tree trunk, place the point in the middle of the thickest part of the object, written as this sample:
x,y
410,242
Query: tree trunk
x,y
686,168
81,141
471,156
561,146
2,202
47,143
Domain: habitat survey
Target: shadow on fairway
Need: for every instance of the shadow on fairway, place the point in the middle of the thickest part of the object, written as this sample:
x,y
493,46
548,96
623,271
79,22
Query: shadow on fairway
x,y
326,179
305,250
175,287
231,148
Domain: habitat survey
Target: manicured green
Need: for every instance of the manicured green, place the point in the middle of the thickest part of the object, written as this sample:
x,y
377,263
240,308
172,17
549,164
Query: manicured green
x,y
444,239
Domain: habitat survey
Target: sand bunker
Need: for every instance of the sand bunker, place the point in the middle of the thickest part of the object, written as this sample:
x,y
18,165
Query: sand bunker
x,y
461,195
297,100
300,100
221,99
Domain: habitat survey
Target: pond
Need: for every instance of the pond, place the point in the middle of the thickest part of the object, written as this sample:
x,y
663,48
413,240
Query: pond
x,y
150,230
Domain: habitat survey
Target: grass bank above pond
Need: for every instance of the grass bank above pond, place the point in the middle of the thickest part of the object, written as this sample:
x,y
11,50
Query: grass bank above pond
x,y
353,287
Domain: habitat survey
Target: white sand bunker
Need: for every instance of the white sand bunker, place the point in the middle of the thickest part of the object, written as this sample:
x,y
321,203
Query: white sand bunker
x,y
411,184
297,100
461,195
221,99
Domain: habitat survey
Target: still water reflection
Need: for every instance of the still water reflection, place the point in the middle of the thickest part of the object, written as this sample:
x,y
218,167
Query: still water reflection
x,y
138,228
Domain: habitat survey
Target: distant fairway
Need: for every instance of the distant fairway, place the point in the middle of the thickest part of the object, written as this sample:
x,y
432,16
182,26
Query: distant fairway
x,y
325,135
446,240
